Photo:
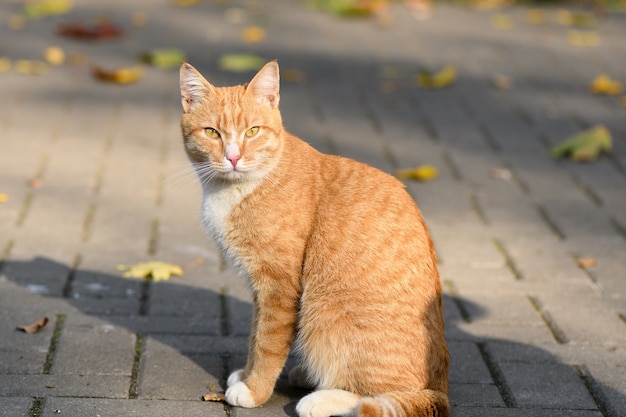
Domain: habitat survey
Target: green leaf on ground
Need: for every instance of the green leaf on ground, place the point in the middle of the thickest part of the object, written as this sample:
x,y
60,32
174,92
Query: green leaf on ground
x,y
164,58
240,62
584,146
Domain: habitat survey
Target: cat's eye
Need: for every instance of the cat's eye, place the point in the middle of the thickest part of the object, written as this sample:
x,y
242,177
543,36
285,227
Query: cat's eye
x,y
212,133
252,131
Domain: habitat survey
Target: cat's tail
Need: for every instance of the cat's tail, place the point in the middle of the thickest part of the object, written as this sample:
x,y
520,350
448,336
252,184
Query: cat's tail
x,y
424,403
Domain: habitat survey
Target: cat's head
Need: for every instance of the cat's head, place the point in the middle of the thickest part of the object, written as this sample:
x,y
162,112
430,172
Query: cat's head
x,y
231,133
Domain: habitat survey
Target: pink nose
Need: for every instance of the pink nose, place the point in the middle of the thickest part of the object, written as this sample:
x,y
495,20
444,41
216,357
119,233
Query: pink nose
x,y
233,159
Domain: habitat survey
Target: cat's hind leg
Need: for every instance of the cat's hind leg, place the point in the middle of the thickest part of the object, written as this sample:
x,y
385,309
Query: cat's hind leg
x,y
328,402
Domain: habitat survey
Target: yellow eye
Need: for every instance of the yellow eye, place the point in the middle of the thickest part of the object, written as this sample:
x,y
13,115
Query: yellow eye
x,y
252,131
212,133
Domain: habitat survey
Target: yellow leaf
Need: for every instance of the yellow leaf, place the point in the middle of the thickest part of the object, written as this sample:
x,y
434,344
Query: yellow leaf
x,y
583,38
420,173
185,3
576,19
253,34
502,22
623,100
535,17
155,270
118,76
164,58
585,146
44,8
28,67
440,79
603,84
4,198
54,55
5,64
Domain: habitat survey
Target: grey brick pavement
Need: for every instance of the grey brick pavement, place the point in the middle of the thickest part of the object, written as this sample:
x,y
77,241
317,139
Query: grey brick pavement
x,y
530,333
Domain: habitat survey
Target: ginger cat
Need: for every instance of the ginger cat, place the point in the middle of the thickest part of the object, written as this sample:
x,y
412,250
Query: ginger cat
x,y
336,253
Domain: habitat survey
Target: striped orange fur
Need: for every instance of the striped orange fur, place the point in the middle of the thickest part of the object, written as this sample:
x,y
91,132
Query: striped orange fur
x,y
337,254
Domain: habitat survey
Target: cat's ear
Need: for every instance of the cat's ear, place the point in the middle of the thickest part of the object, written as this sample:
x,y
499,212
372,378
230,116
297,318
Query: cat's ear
x,y
193,87
265,85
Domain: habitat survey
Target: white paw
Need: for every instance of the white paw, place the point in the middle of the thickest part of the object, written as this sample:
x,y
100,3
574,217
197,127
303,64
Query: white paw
x,y
299,378
326,403
235,377
239,395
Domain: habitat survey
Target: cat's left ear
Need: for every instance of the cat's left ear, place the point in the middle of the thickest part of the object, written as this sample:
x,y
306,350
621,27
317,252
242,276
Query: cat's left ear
x,y
193,87
265,85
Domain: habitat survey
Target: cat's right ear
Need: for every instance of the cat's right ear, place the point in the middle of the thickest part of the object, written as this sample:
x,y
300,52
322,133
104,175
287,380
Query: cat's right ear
x,y
193,87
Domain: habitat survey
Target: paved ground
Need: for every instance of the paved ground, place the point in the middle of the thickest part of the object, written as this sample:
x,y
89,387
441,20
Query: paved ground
x,y
530,332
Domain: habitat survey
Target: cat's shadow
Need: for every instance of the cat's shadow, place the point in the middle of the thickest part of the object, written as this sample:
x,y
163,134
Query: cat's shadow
x,y
204,312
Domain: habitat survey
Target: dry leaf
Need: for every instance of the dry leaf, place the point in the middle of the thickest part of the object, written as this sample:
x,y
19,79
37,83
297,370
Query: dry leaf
x,y
586,263
585,146
502,22
440,79
4,198
420,173
34,327
54,55
101,31
214,396
535,17
240,62
164,58
576,19
29,67
5,64
502,82
35,183
583,38
603,84
17,22
155,270
253,34
292,75
44,8
118,76
502,174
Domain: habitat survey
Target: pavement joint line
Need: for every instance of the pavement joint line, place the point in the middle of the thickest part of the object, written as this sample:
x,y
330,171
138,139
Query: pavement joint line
x,y
489,138
524,188
133,389
589,383
477,209
6,253
552,226
557,333
69,281
97,183
454,295
54,340
497,376
88,222
24,208
153,239
144,298
595,284
452,166
37,407
587,191
619,228
508,260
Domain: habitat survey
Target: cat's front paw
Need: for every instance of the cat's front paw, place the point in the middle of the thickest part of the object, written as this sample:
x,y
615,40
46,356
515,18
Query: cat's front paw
x,y
235,377
238,394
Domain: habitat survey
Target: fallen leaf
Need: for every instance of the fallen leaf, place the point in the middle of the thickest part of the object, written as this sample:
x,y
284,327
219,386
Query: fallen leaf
x,y
583,38
535,17
603,84
420,173
240,62
488,4
139,19
4,198
585,146
155,270
185,3
253,34
35,182
164,58
5,64
502,82
351,8
440,79
586,263
576,19
502,22
44,8
54,55
502,174
214,396
292,75
34,327
17,22
100,31
30,67
118,76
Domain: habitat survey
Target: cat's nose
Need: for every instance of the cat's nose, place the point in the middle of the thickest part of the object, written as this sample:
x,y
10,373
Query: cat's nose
x,y
233,159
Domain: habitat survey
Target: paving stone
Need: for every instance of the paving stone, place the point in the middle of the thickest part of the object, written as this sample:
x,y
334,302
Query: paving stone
x,y
77,407
96,386
15,407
